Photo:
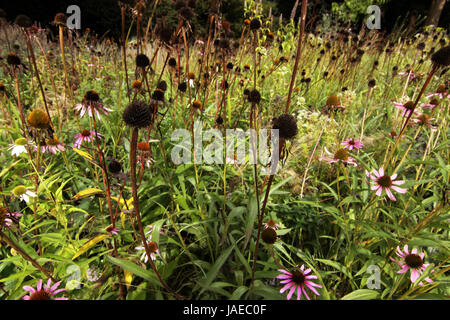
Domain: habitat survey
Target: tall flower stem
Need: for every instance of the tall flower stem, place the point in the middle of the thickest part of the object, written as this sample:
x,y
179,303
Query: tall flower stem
x,y
427,81
133,147
66,76
297,56
12,244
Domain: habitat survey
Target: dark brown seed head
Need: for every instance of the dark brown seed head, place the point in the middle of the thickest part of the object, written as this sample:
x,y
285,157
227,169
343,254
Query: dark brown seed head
x,y
13,59
254,96
23,21
162,85
287,126
158,95
182,86
137,114
60,19
372,83
92,96
142,60
441,57
255,24
172,62
114,166
269,235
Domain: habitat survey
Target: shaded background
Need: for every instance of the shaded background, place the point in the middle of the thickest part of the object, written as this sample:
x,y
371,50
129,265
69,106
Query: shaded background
x,y
103,16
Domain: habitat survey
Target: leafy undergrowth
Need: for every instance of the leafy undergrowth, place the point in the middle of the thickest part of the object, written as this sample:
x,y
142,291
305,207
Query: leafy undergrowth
x,y
358,207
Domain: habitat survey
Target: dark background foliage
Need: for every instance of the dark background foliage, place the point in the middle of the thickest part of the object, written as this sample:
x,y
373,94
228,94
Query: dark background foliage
x,y
103,16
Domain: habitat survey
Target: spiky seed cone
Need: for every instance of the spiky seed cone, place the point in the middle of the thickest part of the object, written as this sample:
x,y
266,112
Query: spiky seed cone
x,y
254,96
287,126
172,62
255,24
441,57
92,96
142,60
224,44
137,114
162,85
23,21
158,95
182,86
333,100
136,84
60,19
219,120
372,83
38,119
269,235
114,166
186,13
13,59
196,104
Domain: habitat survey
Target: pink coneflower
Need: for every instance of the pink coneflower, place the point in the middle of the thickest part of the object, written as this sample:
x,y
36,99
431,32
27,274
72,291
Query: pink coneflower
x,y
340,156
412,261
271,224
298,279
91,102
153,248
381,181
441,92
406,107
431,105
46,293
4,220
53,145
112,230
351,143
85,136
424,120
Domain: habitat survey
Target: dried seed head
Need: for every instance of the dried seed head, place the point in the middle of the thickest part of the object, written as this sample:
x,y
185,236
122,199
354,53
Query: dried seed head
x,y
136,84
162,85
92,96
158,95
172,62
142,60
38,119
186,13
219,120
13,59
23,21
254,96
287,126
137,114
114,166
255,24
441,57
269,235
182,86
60,19
372,83
196,104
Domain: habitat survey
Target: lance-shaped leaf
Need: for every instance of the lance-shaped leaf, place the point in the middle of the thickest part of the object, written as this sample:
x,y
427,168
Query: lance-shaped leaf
x,y
88,245
87,193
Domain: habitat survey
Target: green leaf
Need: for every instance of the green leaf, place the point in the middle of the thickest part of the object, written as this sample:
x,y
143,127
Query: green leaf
x,y
134,269
88,245
362,294
212,273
